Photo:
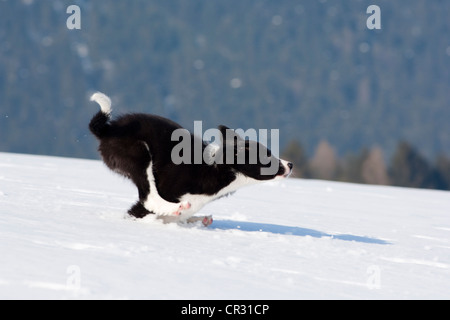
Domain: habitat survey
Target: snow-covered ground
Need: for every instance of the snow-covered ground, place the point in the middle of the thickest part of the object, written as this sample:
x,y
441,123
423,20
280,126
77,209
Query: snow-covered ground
x,y
63,234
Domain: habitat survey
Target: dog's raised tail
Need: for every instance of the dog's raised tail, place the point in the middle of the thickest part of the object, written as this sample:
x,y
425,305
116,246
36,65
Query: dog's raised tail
x,y
103,100
99,123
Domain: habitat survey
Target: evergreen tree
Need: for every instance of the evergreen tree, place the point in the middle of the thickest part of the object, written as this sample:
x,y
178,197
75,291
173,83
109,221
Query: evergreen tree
x,y
443,171
351,167
410,169
295,153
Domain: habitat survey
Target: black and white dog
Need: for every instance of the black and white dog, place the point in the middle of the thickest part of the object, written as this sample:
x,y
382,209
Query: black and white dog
x,y
141,148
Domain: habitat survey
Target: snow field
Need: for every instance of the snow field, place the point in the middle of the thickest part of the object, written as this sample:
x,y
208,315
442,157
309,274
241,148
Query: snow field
x,y
64,235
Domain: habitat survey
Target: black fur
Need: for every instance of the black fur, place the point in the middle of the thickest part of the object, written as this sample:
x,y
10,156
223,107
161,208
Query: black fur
x,y
123,151
129,143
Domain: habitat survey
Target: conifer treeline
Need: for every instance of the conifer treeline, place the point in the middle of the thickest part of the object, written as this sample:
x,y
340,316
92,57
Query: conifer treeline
x,y
311,69
406,168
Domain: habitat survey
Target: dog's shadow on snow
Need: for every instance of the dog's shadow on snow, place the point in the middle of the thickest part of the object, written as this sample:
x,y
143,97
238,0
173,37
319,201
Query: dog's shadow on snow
x,y
286,230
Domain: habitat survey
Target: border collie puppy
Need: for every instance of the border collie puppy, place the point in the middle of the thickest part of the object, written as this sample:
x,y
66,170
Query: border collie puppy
x,y
142,148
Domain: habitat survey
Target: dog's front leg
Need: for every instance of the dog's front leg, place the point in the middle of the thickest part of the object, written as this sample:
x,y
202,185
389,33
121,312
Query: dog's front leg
x,y
206,220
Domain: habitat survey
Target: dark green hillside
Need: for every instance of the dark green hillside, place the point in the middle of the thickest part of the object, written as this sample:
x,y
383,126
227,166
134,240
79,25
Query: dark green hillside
x,y
309,68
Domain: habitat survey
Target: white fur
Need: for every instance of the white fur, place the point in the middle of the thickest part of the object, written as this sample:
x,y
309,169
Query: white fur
x,y
197,201
103,100
155,203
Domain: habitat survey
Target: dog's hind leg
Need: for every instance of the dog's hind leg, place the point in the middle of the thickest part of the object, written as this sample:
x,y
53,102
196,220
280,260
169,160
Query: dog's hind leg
x,y
130,159
136,164
138,210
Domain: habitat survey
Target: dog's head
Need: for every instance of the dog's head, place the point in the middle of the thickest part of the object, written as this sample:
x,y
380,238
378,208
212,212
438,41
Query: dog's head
x,y
247,157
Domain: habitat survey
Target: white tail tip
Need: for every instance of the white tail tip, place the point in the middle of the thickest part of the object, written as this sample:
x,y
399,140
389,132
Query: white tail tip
x,y
103,100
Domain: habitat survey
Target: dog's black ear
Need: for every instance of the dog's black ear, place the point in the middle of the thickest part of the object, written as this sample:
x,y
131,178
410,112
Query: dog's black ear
x,y
223,130
229,135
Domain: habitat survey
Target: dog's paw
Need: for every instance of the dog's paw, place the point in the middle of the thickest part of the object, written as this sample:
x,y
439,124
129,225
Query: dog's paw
x,y
207,221
184,205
